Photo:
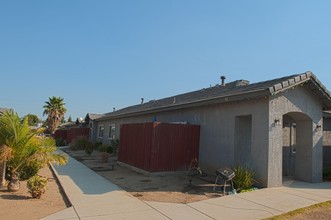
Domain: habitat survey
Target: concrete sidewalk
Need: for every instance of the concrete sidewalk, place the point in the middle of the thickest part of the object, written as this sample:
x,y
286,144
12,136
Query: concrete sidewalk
x,y
94,197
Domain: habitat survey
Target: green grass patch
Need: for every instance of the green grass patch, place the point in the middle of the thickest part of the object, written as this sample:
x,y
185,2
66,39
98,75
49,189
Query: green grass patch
x,y
300,211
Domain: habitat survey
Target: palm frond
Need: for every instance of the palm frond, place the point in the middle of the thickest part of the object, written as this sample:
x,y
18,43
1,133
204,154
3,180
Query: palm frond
x,y
20,146
5,152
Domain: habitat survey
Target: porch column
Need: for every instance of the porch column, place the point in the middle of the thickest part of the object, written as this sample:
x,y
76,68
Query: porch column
x,y
275,154
309,163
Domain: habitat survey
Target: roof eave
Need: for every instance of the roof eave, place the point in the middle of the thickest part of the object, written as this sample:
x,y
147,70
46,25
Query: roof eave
x,y
323,93
217,100
290,83
306,77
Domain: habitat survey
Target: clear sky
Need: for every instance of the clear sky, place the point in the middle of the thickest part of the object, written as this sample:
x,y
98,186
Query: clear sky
x,y
103,54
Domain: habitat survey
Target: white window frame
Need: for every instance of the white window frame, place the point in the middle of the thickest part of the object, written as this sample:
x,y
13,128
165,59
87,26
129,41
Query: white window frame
x,y
112,131
101,131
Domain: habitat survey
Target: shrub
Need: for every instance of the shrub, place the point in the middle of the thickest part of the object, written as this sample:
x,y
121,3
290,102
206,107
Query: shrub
x,y
37,186
110,150
115,144
97,144
89,147
243,179
106,148
101,148
60,142
30,170
79,143
327,173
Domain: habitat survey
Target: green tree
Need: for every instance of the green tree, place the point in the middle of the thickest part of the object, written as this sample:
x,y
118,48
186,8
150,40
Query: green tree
x,y
20,147
32,119
69,119
63,121
55,111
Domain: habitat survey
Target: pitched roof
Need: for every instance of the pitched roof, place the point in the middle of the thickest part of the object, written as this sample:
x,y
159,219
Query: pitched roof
x,y
237,90
92,116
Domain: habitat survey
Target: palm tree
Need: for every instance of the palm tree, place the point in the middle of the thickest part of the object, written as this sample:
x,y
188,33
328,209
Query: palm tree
x,y
55,111
20,147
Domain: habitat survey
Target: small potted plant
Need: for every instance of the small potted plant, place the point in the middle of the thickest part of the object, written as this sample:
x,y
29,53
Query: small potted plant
x,y
37,186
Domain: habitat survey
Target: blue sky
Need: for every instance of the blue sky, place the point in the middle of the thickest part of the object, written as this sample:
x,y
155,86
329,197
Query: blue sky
x,y
103,54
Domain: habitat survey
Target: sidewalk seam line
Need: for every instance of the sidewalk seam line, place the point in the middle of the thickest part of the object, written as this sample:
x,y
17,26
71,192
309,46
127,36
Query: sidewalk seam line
x,y
76,212
113,214
308,193
243,209
200,211
305,197
261,205
157,210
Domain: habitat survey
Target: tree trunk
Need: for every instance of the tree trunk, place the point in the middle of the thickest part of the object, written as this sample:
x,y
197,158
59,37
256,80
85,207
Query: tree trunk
x,y
14,185
2,174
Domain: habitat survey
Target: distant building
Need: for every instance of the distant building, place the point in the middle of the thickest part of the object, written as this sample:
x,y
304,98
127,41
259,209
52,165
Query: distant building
x,y
80,128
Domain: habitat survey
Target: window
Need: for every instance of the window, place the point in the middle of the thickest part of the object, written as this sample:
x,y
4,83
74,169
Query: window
x,y
112,131
100,131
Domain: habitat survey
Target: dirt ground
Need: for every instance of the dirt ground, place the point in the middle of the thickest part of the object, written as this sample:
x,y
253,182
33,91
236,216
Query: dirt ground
x,y
20,205
166,188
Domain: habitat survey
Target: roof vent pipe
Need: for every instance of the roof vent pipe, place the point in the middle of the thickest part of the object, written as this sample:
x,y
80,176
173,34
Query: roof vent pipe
x,y
142,100
113,109
223,80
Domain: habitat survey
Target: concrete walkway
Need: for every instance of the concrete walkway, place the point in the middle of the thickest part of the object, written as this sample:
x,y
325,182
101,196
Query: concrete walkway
x,y
94,197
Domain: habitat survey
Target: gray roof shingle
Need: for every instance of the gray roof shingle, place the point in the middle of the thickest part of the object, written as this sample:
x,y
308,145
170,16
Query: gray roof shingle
x,y
93,116
239,89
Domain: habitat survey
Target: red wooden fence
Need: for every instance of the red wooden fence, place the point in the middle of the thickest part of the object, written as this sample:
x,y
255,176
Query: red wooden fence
x,y
72,133
159,147
61,134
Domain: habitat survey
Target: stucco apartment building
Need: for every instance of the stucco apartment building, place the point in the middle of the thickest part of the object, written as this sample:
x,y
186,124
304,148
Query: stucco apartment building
x,y
275,127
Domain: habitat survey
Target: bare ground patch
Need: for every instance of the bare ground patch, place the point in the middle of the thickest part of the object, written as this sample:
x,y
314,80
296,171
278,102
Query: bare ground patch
x,y
167,188
20,205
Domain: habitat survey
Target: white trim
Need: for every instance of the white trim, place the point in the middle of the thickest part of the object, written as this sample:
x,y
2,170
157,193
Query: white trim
x,y
110,130
103,131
